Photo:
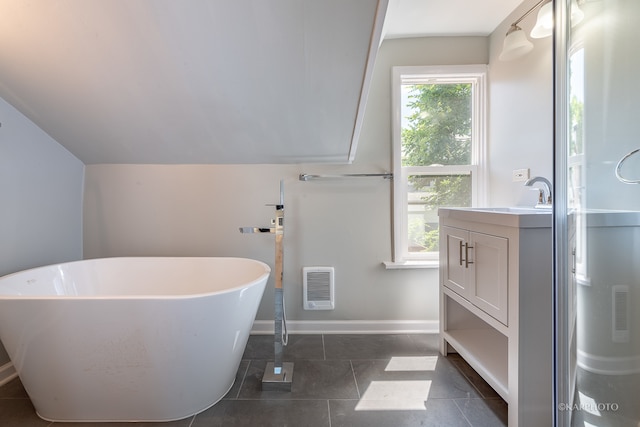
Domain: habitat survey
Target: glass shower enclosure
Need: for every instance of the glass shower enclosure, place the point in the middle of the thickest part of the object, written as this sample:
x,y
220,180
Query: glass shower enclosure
x,y
597,213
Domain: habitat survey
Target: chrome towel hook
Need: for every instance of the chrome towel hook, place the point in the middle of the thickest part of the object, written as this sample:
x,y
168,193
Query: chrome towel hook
x,y
619,166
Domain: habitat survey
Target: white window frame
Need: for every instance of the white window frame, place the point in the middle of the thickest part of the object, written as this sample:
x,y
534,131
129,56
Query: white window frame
x,y
477,76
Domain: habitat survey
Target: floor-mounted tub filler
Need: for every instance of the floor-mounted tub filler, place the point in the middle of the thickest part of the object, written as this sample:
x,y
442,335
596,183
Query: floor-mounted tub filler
x,y
129,339
278,375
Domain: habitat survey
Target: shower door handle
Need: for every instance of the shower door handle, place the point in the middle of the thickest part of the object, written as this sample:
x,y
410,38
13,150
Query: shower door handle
x,y
619,166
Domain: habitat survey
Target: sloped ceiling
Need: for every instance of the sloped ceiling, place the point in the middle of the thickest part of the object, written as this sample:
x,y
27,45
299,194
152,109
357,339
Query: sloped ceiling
x,y
192,81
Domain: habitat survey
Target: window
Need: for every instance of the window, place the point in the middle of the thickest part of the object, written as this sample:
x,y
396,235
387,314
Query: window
x,y
438,150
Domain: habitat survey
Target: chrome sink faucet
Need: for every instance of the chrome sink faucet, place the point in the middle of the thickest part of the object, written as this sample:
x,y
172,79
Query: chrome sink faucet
x,y
546,198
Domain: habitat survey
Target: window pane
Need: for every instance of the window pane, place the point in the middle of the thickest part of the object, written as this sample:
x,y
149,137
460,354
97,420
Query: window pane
x,y
436,124
425,194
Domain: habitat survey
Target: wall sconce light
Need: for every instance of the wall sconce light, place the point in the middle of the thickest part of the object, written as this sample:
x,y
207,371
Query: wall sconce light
x,y
544,23
516,43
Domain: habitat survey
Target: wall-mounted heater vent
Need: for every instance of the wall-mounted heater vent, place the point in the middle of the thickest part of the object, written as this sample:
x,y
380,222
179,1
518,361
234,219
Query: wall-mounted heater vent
x,y
620,309
318,289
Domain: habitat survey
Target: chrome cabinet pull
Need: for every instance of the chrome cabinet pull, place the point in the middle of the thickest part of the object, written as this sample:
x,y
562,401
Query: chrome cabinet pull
x,y
466,255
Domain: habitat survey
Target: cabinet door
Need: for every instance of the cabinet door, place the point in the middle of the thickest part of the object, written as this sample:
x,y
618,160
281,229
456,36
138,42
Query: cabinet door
x,y
453,266
489,272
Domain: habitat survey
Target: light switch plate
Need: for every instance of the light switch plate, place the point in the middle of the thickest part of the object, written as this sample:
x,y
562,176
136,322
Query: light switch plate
x,y
520,175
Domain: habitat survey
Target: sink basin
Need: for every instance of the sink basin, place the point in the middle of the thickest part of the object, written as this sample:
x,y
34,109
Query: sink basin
x,y
517,216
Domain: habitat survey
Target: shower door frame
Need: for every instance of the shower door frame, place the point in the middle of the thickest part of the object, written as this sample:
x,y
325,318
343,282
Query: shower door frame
x,y
564,367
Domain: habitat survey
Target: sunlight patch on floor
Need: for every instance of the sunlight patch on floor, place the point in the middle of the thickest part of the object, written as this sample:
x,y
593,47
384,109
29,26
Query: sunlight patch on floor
x,y
422,363
395,396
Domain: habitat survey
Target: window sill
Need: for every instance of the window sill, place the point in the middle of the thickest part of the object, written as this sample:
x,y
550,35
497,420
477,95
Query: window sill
x,y
409,265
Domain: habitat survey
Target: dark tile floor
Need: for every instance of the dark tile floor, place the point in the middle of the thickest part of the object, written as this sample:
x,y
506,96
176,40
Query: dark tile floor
x,y
338,381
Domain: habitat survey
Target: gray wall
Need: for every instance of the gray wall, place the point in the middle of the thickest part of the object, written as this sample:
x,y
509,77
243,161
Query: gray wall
x,y
41,184
196,210
521,115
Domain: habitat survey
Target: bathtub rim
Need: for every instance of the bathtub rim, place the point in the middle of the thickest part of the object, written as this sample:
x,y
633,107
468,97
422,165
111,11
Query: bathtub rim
x,y
260,278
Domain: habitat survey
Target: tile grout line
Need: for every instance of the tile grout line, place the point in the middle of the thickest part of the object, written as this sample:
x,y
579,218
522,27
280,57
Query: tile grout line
x,y
355,380
329,411
243,378
455,402
473,384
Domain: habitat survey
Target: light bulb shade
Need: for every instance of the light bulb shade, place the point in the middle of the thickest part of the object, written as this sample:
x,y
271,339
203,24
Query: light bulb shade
x,y
544,23
515,44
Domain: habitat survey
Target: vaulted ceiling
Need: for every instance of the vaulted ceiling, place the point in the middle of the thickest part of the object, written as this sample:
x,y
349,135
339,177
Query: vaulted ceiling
x,y
196,81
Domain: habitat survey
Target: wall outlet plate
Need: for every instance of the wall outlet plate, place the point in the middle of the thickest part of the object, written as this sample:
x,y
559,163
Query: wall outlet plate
x,y
520,175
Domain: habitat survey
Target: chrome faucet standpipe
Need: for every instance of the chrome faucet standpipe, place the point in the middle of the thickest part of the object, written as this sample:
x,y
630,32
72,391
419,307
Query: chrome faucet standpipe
x,y
278,376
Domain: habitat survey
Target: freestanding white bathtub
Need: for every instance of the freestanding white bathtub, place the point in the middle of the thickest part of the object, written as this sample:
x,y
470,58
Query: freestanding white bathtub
x,y
129,339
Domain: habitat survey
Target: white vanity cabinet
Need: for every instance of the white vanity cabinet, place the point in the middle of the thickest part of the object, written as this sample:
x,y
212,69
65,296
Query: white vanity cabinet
x,y
476,267
496,295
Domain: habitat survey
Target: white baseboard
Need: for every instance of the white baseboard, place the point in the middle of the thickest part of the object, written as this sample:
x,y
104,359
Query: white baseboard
x,y
266,327
7,373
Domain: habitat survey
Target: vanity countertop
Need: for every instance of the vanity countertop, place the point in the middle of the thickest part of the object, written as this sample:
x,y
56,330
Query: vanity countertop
x,y
520,217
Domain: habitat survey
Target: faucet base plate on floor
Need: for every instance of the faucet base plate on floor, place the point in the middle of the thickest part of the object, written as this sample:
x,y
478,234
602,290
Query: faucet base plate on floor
x,y
277,382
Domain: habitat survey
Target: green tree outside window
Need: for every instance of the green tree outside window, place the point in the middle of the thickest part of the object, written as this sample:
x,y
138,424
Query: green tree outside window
x,y
438,131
